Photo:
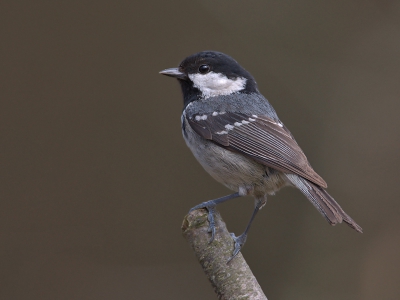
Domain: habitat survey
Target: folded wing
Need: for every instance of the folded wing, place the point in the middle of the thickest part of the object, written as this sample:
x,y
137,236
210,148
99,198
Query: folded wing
x,y
263,139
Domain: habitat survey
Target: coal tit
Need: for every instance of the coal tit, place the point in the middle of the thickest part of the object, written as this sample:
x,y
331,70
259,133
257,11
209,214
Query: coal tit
x,y
236,135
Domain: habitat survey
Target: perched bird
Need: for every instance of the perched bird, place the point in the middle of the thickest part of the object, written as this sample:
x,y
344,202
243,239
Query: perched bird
x,y
236,135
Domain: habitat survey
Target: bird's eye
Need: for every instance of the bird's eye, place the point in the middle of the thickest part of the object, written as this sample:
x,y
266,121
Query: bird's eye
x,y
203,69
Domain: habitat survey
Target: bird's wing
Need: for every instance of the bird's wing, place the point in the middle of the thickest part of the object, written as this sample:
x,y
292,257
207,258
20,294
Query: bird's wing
x,y
258,137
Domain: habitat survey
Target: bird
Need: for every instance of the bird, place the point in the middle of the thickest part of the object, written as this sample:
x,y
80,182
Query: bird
x,y
235,134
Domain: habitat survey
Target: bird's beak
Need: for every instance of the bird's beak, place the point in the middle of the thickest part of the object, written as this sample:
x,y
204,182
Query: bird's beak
x,y
174,72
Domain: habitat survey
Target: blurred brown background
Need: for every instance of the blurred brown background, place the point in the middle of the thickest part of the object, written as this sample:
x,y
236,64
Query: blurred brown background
x,y
96,178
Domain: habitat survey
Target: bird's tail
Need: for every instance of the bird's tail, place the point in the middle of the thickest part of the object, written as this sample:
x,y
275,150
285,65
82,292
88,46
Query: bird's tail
x,y
326,205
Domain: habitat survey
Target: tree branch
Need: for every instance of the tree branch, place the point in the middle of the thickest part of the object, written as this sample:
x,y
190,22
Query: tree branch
x,y
233,280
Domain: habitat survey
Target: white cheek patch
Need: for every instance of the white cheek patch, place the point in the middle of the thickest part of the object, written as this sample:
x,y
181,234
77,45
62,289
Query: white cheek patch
x,y
215,84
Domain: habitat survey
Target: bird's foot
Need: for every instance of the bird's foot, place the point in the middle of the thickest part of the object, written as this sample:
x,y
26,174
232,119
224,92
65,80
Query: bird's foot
x,y
239,243
210,206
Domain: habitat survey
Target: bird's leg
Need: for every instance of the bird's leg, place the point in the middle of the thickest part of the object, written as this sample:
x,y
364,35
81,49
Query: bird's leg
x,y
210,206
241,239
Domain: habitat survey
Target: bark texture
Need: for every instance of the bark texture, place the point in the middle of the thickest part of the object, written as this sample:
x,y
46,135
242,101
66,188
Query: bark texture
x,y
233,280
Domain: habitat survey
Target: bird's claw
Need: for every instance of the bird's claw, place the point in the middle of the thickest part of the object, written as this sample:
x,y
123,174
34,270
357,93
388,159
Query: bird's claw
x,y
211,211
239,242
